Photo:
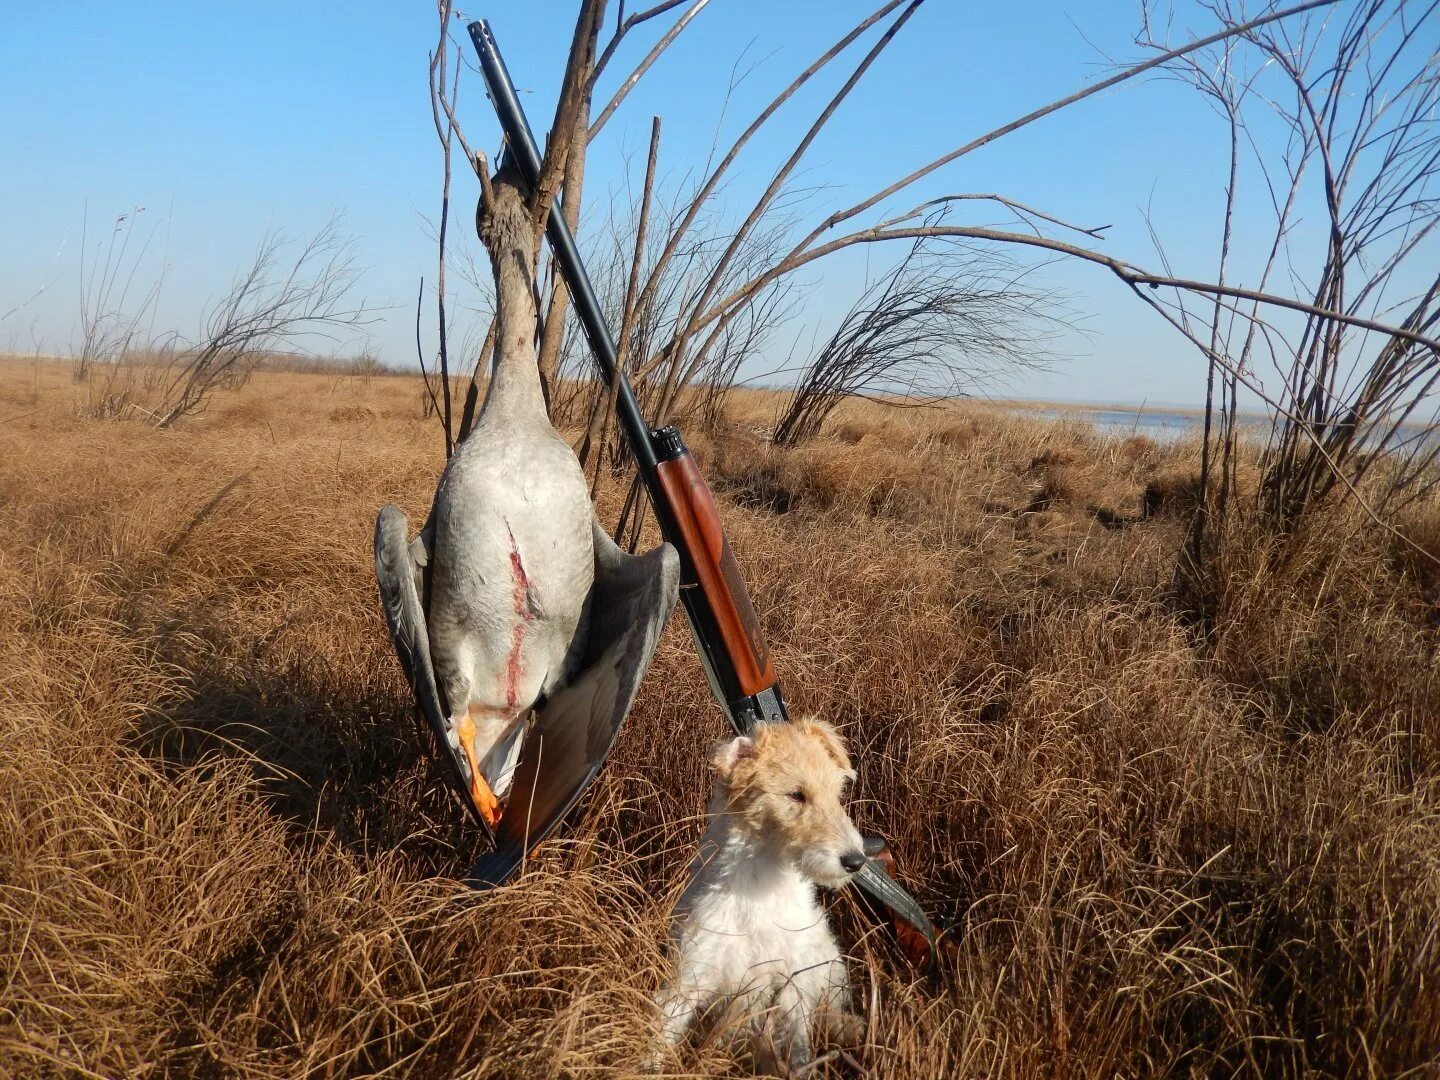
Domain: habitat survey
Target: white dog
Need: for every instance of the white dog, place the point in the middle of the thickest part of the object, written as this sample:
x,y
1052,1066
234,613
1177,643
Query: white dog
x,y
754,948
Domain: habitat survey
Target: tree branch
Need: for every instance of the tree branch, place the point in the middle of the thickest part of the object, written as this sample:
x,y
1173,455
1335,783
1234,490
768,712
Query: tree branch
x,y
654,54
567,108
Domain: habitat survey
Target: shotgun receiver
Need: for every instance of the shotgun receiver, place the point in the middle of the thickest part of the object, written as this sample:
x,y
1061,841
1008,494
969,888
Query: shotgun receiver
x,y
722,619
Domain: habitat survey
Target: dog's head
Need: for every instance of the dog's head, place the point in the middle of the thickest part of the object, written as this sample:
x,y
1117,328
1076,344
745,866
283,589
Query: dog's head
x,y
782,786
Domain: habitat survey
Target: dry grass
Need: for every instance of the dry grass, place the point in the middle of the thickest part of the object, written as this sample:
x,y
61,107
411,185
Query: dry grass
x,y
224,851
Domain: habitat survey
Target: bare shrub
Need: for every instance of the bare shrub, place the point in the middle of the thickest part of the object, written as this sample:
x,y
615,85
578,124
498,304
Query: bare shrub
x,y
1369,108
367,365
701,347
115,323
289,293
666,388
943,320
1353,342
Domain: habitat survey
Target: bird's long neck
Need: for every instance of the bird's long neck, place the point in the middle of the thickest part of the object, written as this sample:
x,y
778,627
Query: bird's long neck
x,y
510,239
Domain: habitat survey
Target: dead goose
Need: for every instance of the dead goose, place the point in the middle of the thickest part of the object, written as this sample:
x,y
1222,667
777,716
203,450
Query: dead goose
x,y
523,629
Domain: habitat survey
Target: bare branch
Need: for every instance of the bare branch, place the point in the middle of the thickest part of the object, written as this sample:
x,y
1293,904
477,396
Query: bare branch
x,y
1131,275
654,54
627,322
1055,106
1025,212
785,170
567,109
702,196
624,28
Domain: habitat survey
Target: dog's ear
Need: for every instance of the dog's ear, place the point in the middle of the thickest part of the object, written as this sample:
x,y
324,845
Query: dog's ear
x,y
731,752
830,739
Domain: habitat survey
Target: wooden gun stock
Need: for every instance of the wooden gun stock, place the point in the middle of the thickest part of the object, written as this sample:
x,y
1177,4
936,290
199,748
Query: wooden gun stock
x,y
709,565
726,627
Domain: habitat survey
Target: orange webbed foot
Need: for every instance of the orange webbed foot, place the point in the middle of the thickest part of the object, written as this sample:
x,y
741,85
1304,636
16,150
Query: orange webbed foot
x,y
480,793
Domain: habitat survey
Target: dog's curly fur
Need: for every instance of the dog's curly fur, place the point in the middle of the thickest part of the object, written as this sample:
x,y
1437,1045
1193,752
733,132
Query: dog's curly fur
x,y
753,945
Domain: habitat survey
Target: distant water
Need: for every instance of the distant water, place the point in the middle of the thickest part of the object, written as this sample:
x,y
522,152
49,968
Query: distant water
x,y
1165,425
1159,424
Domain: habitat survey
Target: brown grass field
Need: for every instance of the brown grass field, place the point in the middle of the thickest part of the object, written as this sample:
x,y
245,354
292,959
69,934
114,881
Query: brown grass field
x,y
1165,845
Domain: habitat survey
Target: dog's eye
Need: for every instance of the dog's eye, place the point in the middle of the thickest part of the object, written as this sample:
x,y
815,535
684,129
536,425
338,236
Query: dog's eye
x,y
797,795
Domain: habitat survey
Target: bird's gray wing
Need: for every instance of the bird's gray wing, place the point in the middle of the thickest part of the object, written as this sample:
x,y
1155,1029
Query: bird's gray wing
x,y
631,599
398,575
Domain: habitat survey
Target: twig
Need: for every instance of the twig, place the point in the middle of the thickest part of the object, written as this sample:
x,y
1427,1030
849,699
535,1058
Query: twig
x,y
640,69
567,108
420,350
624,28
627,322
438,71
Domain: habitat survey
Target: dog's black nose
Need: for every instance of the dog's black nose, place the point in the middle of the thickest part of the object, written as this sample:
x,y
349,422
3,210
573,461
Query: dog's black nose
x,y
852,861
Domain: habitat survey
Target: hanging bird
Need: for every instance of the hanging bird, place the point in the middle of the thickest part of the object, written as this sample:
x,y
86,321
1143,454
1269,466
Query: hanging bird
x,y
523,629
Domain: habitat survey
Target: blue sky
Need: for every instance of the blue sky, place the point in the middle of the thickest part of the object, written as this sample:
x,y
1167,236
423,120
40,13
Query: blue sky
x,y
225,120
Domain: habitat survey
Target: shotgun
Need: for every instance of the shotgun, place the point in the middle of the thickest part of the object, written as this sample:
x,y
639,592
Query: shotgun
x,y
722,619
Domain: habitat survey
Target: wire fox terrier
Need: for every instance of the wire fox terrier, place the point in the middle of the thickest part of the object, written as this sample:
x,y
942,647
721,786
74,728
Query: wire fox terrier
x,y
755,952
